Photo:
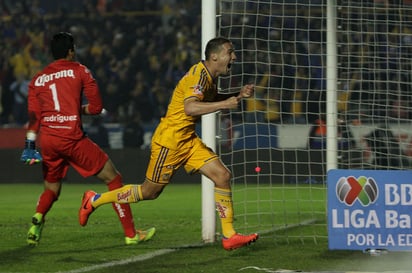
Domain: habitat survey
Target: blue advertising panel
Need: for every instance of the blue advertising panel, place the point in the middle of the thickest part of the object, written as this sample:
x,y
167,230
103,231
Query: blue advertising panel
x,y
370,209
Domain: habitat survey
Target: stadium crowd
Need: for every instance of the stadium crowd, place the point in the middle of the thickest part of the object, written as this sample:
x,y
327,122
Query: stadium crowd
x,y
137,51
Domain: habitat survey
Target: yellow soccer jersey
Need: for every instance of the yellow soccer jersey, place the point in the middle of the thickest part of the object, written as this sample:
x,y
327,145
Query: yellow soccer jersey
x,y
176,128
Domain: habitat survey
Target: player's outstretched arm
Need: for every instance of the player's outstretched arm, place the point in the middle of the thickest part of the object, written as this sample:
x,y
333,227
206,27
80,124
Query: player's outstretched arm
x,y
194,107
245,92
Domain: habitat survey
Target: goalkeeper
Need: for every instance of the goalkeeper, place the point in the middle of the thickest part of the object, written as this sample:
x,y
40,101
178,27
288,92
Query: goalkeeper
x,y
175,143
54,107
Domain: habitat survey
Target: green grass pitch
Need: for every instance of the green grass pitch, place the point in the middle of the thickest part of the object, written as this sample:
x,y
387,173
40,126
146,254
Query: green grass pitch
x,y
99,247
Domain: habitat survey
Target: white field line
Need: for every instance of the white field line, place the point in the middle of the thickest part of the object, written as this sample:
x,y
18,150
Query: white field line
x,y
139,258
160,252
156,253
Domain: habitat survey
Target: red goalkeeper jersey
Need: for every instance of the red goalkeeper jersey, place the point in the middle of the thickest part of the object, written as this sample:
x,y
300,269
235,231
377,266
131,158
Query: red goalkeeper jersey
x,y
55,99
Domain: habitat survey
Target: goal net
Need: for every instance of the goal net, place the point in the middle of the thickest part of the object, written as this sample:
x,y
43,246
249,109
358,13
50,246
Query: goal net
x,y
281,47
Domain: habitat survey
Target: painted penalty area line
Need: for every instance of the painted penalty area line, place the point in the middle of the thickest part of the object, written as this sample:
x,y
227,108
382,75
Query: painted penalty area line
x,y
139,258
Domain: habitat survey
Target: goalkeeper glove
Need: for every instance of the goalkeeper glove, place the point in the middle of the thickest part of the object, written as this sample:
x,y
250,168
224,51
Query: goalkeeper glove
x,y
30,155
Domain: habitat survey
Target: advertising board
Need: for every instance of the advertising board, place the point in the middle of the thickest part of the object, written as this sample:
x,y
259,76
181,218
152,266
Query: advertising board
x,y
370,209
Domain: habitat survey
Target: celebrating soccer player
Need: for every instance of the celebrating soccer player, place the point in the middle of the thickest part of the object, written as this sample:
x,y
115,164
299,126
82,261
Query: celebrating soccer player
x,y
55,108
175,143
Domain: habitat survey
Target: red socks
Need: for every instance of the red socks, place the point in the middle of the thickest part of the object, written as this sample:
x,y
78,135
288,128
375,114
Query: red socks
x,y
123,210
45,202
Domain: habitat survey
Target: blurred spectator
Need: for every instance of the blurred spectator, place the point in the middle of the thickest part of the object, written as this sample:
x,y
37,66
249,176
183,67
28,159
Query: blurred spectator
x,y
272,112
162,96
255,108
265,105
7,97
98,133
317,136
141,102
20,90
133,133
387,153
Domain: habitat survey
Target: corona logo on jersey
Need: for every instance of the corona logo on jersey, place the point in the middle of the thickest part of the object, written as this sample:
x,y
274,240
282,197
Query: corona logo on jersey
x,y
45,78
369,209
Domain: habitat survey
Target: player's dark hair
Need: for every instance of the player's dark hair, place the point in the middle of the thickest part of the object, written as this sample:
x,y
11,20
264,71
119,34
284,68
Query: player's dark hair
x,y
214,46
60,45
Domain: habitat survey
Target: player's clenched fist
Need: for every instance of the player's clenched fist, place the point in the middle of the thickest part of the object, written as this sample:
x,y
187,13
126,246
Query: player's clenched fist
x,y
232,102
247,91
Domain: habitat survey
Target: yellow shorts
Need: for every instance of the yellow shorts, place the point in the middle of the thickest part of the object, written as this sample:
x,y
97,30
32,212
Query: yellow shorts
x,y
164,162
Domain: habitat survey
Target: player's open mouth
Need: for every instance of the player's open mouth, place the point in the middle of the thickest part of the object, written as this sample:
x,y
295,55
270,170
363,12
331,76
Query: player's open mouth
x,y
229,66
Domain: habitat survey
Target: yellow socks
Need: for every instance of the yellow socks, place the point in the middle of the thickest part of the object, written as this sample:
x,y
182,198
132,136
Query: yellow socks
x,y
133,194
224,207
125,194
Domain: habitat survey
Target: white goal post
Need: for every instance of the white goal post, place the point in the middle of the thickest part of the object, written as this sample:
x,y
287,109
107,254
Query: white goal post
x,y
333,90
208,131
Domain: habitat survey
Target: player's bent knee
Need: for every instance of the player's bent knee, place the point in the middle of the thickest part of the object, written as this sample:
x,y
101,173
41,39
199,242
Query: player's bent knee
x,y
151,191
223,177
151,195
227,176
222,180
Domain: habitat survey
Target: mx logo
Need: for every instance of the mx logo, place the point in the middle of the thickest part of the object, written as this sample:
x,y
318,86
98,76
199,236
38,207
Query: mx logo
x,y
349,189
